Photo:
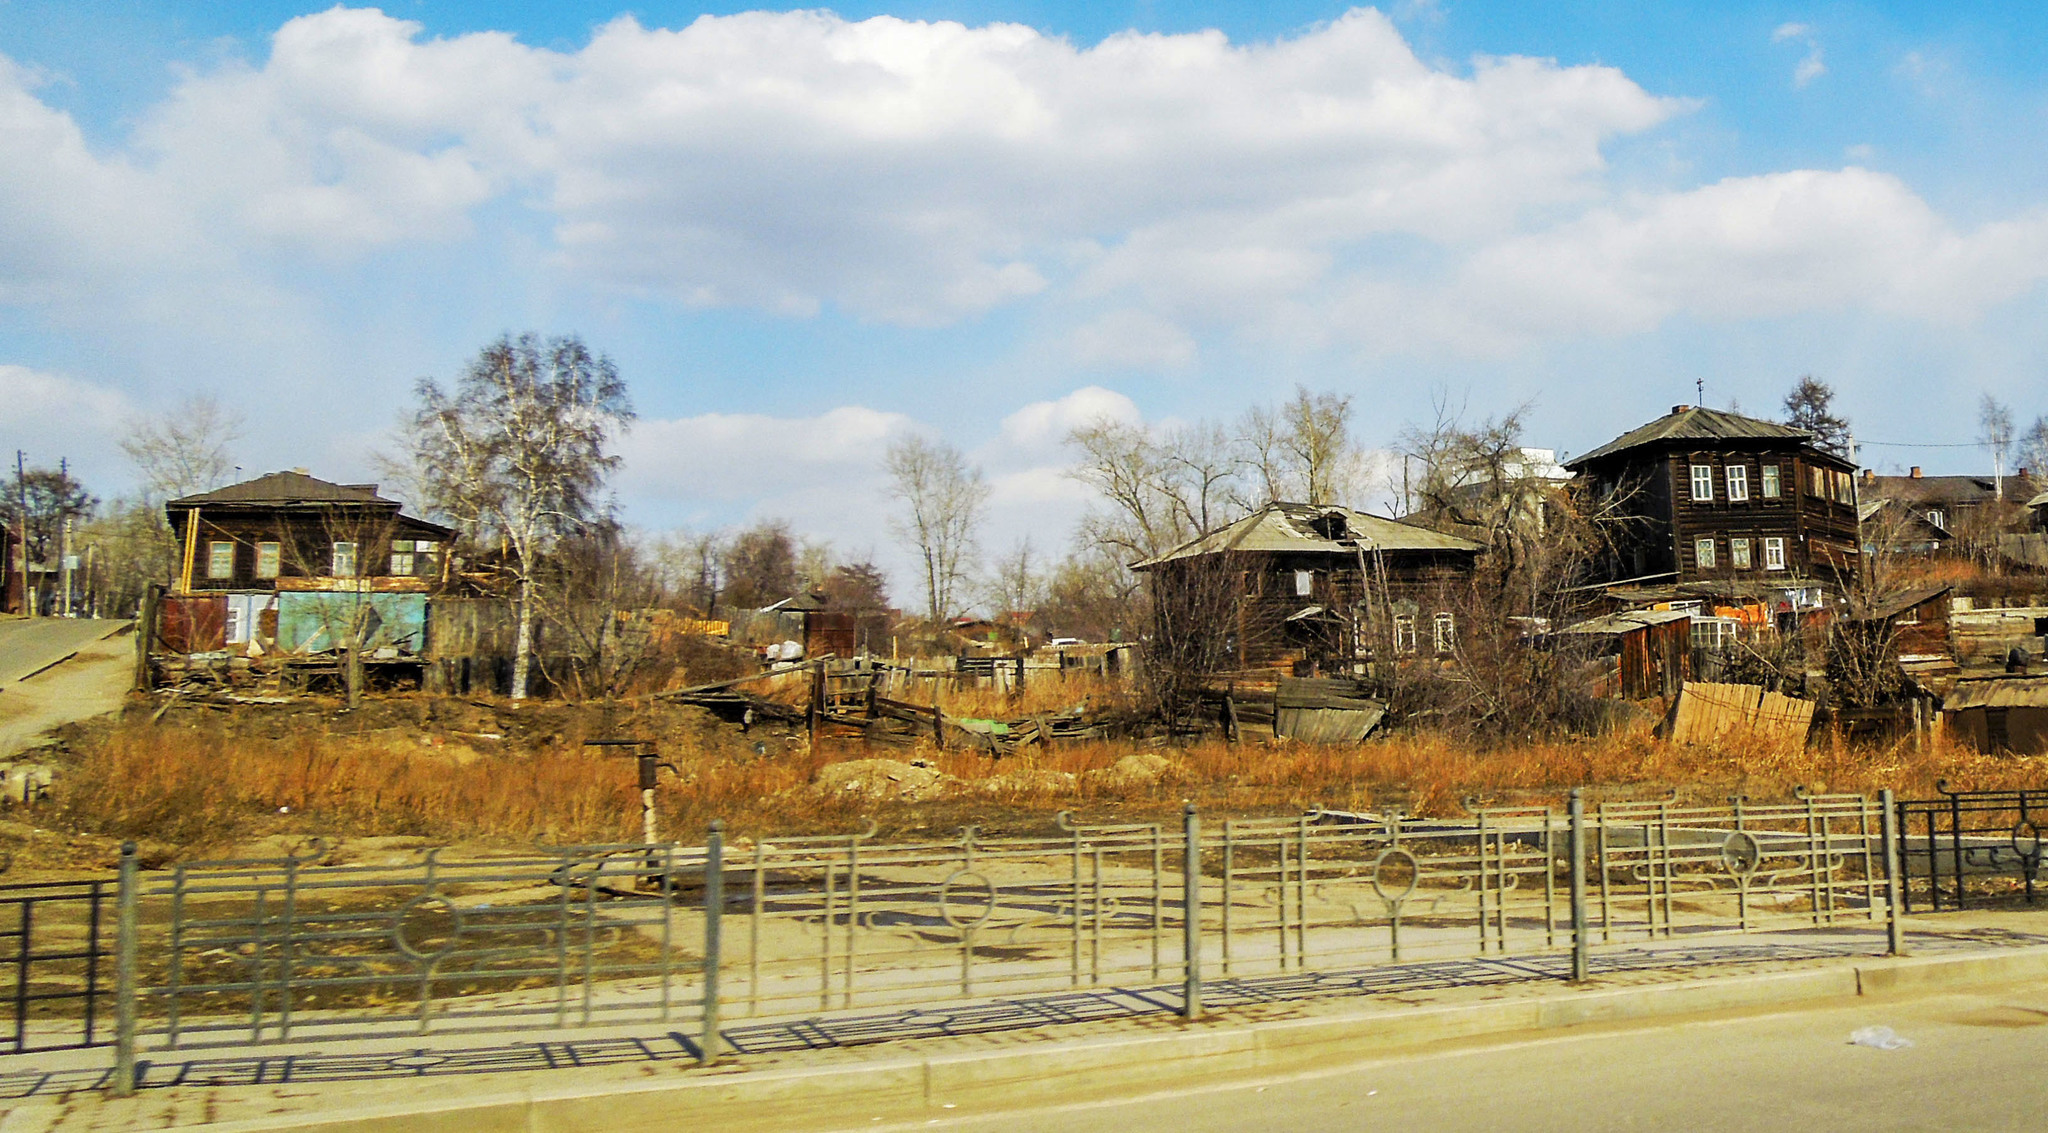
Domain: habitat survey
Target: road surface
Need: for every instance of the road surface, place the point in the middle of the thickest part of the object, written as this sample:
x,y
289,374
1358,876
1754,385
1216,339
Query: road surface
x,y
29,644
1978,1061
79,672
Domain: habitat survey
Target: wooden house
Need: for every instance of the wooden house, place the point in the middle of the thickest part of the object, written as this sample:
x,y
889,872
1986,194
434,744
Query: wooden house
x,y
1313,589
1999,714
291,564
1917,622
1706,496
13,572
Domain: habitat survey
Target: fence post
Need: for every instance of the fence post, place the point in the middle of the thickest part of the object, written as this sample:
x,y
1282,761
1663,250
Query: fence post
x,y
714,954
1580,945
1191,911
126,904
1894,887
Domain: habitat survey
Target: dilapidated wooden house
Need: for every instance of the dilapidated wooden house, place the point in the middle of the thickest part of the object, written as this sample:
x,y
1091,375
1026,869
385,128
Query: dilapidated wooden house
x,y
1706,496
1311,589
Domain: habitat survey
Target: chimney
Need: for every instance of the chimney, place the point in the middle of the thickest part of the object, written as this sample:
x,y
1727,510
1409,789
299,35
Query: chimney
x,y
1680,408
1870,475
1915,474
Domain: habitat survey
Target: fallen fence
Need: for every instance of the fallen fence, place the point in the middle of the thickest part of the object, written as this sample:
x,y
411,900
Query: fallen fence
x,y
243,953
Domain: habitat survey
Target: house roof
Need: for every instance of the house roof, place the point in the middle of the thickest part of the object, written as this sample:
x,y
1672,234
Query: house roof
x,y
286,488
2039,501
1290,527
1694,423
1892,605
1627,621
1949,489
1998,692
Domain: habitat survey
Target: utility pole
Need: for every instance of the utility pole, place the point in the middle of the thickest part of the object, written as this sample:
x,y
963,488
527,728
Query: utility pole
x,y
64,535
28,591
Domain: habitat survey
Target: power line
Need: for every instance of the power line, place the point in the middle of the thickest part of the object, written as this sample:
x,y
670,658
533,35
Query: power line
x,y
1916,444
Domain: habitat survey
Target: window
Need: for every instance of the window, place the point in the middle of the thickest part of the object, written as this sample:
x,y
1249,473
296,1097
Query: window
x,y
1446,632
344,561
1938,517
1738,554
401,558
1738,483
1816,482
220,559
1703,552
237,625
266,560
1713,633
1774,553
1702,482
1404,633
1304,583
1770,478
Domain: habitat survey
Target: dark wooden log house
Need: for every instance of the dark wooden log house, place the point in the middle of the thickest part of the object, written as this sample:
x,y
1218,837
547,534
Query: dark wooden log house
x,y
1703,496
1314,590
288,525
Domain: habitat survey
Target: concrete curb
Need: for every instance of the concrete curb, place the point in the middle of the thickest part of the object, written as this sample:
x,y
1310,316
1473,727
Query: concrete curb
x,y
922,1086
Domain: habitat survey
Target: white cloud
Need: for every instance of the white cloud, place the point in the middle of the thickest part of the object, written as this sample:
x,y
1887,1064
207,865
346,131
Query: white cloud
x,y
1133,339
56,416
1811,66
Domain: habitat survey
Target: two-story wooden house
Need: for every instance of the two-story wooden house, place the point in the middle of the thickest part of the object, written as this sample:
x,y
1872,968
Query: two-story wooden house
x,y
1703,496
289,563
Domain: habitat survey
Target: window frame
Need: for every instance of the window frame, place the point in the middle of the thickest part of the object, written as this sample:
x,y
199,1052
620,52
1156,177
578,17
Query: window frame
x,y
269,559
216,550
1772,486
335,559
1738,554
1703,480
1774,552
1738,483
1405,640
1304,584
1703,554
1444,631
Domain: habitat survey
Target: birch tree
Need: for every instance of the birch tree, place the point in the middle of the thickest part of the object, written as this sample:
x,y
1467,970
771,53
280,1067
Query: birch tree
x,y
943,500
516,455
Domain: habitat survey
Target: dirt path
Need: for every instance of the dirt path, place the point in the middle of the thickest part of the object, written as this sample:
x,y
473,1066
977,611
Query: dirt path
x,y
89,684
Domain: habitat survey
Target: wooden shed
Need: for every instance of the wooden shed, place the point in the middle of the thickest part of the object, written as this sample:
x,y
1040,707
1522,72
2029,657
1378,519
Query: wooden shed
x,y
1652,650
2000,714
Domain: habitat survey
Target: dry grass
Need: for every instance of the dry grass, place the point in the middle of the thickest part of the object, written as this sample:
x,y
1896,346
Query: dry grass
x,y
199,791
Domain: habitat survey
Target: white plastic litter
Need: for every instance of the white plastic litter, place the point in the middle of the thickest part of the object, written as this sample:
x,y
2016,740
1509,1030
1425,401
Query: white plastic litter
x,y
1879,1038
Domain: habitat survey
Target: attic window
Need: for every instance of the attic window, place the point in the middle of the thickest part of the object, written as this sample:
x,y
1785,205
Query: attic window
x,y
1330,525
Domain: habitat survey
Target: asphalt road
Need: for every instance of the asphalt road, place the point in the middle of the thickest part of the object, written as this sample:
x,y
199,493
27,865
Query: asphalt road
x,y
29,644
1977,1061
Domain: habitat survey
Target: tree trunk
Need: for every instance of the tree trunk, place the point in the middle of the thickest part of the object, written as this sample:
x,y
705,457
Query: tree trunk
x,y
522,654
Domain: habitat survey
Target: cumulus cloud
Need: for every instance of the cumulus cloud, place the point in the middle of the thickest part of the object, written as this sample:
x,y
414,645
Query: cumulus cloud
x,y
58,416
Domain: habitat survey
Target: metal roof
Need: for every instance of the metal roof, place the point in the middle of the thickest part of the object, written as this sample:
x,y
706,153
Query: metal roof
x,y
1289,527
1892,605
1694,423
1627,621
1999,692
286,488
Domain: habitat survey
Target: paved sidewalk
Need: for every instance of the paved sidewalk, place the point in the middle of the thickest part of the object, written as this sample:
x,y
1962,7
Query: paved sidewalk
x,y
29,645
1132,1032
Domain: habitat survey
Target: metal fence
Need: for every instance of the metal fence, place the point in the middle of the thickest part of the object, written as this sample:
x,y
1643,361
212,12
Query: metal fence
x,y
263,952
55,953
1989,840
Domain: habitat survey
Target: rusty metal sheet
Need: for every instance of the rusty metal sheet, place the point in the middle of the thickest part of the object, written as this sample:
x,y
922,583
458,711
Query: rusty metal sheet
x,y
192,623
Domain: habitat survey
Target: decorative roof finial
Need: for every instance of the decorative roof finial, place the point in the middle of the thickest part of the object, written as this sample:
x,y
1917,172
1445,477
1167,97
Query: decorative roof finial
x,y
1700,384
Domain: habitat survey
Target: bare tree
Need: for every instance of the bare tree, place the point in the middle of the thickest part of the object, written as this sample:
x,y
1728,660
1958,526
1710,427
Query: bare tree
x,y
2033,449
1809,407
1302,450
1015,581
760,565
944,499
1995,422
517,454
185,450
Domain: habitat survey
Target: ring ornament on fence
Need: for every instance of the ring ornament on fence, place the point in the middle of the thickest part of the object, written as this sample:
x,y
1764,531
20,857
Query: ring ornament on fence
x,y
968,876
2026,838
413,932
1380,876
1740,853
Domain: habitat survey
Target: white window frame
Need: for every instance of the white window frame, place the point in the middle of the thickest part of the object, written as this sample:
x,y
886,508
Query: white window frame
x,y
269,560
1774,552
1445,630
1404,633
1938,517
1703,554
1771,485
1718,633
216,551
1738,483
1738,554
235,630
342,563
402,558
1304,583
1703,483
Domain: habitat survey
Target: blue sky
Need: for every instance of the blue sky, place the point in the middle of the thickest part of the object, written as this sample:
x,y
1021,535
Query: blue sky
x,y
800,233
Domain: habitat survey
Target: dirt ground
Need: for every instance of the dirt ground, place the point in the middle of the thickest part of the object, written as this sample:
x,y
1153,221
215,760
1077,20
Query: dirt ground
x,y
92,683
